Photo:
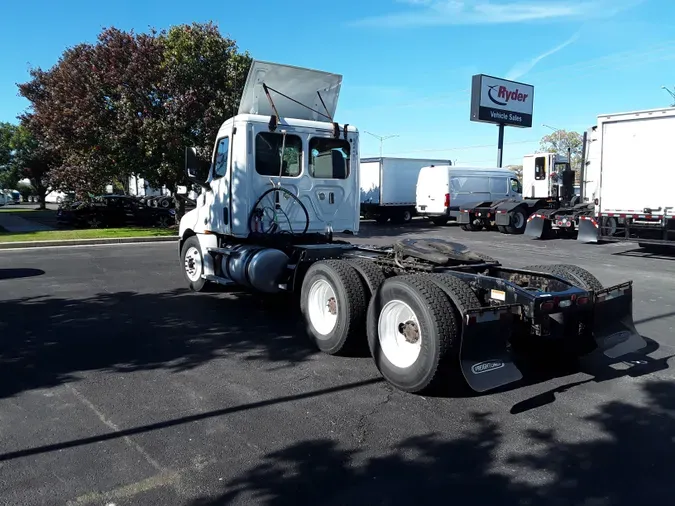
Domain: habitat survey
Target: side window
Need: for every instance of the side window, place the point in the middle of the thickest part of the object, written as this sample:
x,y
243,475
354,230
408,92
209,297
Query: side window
x,y
516,186
540,168
498,185
269,160
329,158
220,161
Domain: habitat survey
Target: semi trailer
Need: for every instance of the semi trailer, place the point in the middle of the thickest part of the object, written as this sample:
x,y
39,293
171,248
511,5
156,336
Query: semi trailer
x,y
283,181
546,185
634,200
388,187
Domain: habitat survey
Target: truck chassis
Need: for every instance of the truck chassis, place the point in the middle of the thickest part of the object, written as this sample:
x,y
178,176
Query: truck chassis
x,y
424,306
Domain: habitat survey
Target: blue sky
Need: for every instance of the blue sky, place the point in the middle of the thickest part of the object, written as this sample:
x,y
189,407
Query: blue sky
x,y
407,64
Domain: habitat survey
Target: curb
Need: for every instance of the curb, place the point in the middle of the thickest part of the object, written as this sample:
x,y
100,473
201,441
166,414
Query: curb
x,y
85,242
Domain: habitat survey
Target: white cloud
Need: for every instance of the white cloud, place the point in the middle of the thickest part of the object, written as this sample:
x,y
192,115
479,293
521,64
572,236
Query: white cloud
x,y
522,68
482,12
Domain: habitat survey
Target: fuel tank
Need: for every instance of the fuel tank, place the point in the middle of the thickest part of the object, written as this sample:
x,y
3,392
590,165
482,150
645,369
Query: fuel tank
x,y
255,267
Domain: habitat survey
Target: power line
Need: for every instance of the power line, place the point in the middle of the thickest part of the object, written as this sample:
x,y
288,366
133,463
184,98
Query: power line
x,y
458,148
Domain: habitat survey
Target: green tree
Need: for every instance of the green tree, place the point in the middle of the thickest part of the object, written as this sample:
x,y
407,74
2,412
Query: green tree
x,y
130,103
518,170
33,160
560,142
9,174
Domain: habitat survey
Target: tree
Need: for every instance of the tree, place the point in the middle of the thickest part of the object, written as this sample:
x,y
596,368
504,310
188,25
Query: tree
x,y
562,140
9,175
518,169
130,103
33,160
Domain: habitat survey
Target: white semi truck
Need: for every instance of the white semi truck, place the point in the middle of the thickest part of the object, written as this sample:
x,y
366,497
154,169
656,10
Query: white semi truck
x,y
388,187
547,184
634,199
284,177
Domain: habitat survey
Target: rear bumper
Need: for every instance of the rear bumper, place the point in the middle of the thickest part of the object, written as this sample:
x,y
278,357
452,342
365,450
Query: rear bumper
x,y
487,359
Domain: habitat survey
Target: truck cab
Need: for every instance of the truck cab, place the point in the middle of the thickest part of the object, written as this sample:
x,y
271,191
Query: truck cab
x,y
275,142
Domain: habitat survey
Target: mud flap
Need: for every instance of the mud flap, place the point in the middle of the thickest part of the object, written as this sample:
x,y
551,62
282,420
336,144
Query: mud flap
x,y
613,327
588,229
485,359
536,225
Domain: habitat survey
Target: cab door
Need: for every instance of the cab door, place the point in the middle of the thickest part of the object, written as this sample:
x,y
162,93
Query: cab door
x,y
219,180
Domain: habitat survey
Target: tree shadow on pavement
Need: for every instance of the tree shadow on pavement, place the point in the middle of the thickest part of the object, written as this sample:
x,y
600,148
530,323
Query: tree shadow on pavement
x,y
48,341
621,455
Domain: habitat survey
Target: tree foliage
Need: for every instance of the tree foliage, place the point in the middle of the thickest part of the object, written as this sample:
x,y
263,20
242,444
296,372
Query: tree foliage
x,y
34,160
562,140
9,175
518,170
129,104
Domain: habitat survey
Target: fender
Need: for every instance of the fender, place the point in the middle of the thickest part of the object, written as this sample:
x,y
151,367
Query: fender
x,y
508,205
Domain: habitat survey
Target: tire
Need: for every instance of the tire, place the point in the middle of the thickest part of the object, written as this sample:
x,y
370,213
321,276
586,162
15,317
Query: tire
x,y
381,219
192,260
470,227
440,220
334,333
576,275
502,229
406,216
163,222
370,274
519,218
412,296
94,222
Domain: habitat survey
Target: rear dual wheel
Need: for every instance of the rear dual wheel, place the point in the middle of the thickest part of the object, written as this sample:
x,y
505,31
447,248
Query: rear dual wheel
x,y
333,300
414,326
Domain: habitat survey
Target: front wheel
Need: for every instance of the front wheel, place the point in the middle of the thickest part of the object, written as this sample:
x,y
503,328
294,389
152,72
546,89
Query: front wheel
x,y
411,329
193,264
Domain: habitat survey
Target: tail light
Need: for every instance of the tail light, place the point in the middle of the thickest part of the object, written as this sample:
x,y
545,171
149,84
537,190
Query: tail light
x,y
447,200
549,305
581,301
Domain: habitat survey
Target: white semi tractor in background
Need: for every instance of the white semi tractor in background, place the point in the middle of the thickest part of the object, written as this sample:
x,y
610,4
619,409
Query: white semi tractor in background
x,y
283,179
388,187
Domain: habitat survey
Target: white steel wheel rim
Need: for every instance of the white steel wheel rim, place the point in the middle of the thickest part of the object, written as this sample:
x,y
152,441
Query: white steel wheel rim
x,y
518,220
193,264
322,307
402,352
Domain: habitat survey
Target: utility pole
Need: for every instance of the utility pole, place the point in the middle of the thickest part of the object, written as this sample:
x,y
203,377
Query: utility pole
x,y
671,93
381,139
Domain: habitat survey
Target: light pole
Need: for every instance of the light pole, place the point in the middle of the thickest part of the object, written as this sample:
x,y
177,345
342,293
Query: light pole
x,y
671,93
381,139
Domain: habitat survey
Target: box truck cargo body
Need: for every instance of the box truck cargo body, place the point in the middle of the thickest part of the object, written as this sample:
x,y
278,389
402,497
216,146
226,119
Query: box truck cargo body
x,y
635,200
388,187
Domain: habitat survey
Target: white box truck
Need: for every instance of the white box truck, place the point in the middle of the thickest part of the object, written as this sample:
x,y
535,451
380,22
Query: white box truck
x,y
388,187
635,198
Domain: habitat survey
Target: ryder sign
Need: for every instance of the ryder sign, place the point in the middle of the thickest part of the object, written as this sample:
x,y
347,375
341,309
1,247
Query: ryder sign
x,y
499,101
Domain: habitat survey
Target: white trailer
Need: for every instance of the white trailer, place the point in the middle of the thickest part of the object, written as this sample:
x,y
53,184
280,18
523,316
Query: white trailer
x,y
634,200
388,187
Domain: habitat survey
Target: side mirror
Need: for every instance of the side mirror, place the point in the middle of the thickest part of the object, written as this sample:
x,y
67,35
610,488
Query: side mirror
x,y
194,170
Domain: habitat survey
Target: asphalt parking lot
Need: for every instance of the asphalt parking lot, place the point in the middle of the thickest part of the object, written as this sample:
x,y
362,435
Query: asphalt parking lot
x,y
117,386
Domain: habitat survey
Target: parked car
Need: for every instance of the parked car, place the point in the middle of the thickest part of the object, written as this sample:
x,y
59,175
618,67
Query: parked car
x,y
114,211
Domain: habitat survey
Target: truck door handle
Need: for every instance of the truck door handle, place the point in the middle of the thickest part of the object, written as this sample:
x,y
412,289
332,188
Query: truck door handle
x,y
331,198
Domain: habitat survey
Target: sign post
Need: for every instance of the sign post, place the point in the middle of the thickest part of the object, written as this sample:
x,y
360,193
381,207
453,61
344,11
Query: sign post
x,y
501,102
